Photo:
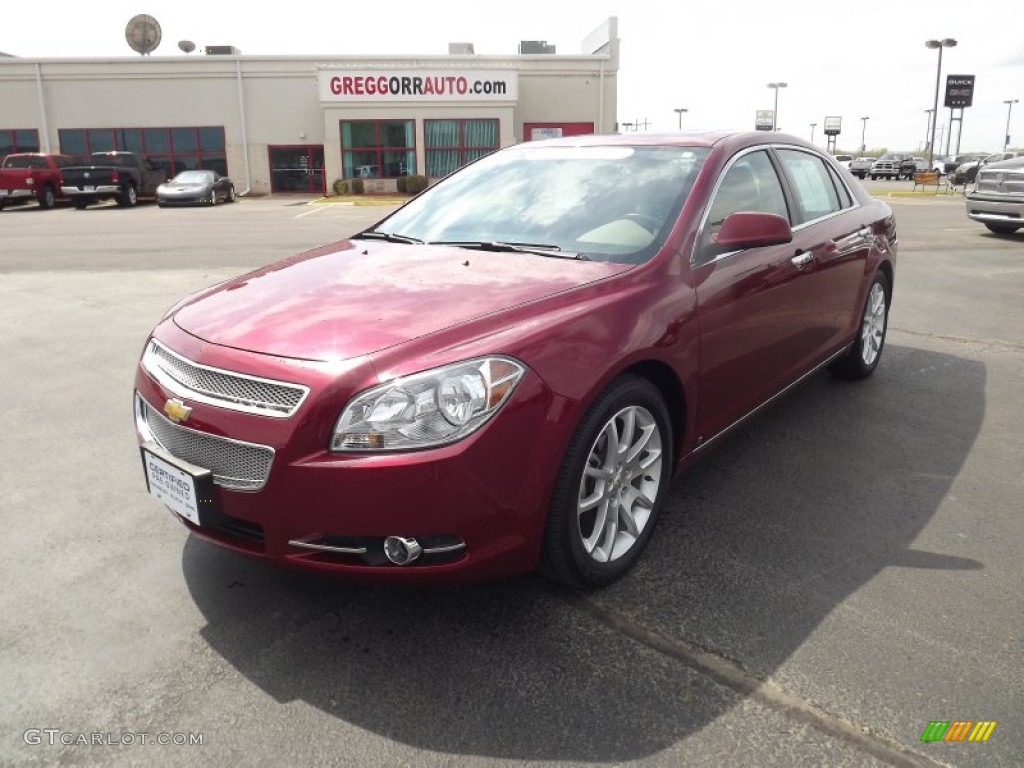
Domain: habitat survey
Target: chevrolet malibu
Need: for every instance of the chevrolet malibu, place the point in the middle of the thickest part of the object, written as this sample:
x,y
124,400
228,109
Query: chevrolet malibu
x,y
507,372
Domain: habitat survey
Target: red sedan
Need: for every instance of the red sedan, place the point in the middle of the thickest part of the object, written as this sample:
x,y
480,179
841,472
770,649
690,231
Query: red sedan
x,y
507,372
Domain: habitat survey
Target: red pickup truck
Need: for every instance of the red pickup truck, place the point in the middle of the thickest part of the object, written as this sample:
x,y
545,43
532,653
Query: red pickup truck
x,y
32,175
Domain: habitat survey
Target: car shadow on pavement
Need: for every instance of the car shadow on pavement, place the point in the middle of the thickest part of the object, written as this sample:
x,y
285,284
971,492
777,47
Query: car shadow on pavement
x,y
760,542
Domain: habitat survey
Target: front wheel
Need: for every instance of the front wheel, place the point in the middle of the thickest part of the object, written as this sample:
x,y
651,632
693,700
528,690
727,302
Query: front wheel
x,y
231,195
1002,229
862,359
611,487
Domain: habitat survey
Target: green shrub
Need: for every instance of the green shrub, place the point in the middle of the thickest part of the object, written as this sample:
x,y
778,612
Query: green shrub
x,y
340,187
415,184
356,186
400,183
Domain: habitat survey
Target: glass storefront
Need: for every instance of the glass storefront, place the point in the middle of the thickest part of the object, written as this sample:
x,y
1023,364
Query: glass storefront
x,y
377,149
172,149
15,141
298,168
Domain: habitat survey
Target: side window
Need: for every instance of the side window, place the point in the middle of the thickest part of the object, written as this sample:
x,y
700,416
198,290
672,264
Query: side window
x,y
845,201
750,184
816,195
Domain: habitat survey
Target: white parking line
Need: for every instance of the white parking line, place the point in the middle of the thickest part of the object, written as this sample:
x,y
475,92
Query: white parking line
x,y
315,209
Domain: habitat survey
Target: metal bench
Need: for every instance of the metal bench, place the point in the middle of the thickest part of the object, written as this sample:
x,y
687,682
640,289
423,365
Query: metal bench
x,y
932,179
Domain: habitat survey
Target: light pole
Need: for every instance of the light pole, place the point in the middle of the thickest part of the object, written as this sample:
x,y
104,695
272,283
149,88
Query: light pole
x,y
1009,108
947,42
813,126
863,130
775,112
928,126
679,111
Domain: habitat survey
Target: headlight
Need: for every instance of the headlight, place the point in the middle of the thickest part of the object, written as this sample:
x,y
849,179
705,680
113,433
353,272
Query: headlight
x,y
426,409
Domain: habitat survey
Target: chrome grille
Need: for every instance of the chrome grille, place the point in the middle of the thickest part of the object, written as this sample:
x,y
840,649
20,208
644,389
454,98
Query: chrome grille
x,y
215,386
235,464
1002,182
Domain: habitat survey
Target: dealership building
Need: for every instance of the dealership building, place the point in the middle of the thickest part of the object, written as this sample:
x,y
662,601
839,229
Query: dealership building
x,y
297,123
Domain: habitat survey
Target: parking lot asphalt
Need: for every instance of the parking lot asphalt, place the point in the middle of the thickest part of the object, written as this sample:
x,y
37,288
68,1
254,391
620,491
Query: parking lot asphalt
x,y
839,573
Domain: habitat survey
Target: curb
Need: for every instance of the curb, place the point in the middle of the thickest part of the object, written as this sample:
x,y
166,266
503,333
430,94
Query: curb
x,y
339,200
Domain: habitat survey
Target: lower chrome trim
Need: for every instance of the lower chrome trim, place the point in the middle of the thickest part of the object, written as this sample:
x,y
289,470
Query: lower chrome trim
x,y
441,550
773,398
327,548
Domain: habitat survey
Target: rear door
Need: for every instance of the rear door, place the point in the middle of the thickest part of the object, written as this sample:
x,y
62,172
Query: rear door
x,y
834,230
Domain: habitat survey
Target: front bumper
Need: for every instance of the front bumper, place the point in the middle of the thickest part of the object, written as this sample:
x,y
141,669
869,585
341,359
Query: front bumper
x,y
196,198
482,501
995,209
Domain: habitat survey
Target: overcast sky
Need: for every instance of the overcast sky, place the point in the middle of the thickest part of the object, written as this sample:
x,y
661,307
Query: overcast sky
x,y
714,58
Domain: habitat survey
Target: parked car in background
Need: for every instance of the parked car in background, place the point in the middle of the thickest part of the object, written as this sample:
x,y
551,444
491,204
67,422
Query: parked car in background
x,y
953,162
844,160
861,167
891,165
966,173
124,176
495,377
997,200
191,187
32,176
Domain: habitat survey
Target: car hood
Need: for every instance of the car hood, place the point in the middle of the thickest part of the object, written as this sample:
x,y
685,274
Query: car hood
x,y
357,297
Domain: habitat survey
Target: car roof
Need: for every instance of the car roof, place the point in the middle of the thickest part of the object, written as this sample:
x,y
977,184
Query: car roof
x,y
692,138
1015,162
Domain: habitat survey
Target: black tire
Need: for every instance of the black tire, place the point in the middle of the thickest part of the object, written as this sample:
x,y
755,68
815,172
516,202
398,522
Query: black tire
x,y
1002,229
2,203
231,194
874,177
47,199
80,203
213,197
128,197
853,365
564,557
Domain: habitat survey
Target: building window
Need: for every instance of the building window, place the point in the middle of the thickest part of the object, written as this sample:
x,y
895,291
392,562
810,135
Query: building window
x,y
377,148
297,168
171,149
15,141
453,143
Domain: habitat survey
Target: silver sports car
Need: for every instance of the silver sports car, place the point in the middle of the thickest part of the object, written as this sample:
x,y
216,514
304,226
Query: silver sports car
x,y
190,187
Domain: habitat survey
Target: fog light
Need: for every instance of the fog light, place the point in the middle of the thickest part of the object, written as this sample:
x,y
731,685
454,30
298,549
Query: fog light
x,y
401,550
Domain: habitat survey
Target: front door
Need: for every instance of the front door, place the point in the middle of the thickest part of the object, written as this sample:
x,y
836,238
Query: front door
x,y
752,304
297,168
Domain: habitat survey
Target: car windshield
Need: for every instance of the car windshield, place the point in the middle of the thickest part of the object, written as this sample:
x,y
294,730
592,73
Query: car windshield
x,y
194,177
608,203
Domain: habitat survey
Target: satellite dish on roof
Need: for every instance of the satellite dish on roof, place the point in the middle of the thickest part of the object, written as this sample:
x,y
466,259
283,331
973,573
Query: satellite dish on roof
x,y
186,45
143,34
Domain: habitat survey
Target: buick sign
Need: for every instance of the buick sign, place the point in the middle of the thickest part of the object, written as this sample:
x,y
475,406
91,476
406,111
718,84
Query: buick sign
x,y
959,91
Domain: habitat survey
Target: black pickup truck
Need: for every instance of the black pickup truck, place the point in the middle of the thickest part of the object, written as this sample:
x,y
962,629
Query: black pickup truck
x,y
125,176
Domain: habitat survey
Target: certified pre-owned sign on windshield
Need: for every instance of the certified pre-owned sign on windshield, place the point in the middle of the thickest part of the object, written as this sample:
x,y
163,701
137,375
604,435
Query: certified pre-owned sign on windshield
x,y
417,85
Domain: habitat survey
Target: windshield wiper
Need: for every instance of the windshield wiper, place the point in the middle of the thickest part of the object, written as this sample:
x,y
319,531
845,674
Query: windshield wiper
x,y
541,249
391,237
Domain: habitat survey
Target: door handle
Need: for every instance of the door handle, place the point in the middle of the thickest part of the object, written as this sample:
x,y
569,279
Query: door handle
x,y
801,260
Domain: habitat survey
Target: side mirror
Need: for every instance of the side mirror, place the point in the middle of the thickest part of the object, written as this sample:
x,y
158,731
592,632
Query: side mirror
x,y
747,229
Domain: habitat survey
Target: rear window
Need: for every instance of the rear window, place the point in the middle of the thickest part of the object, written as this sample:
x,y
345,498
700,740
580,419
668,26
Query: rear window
x,y
123,161
24,161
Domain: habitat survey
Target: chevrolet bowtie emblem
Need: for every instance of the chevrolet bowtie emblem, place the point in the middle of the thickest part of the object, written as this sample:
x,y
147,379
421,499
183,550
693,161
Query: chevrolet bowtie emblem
x,y
177,411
